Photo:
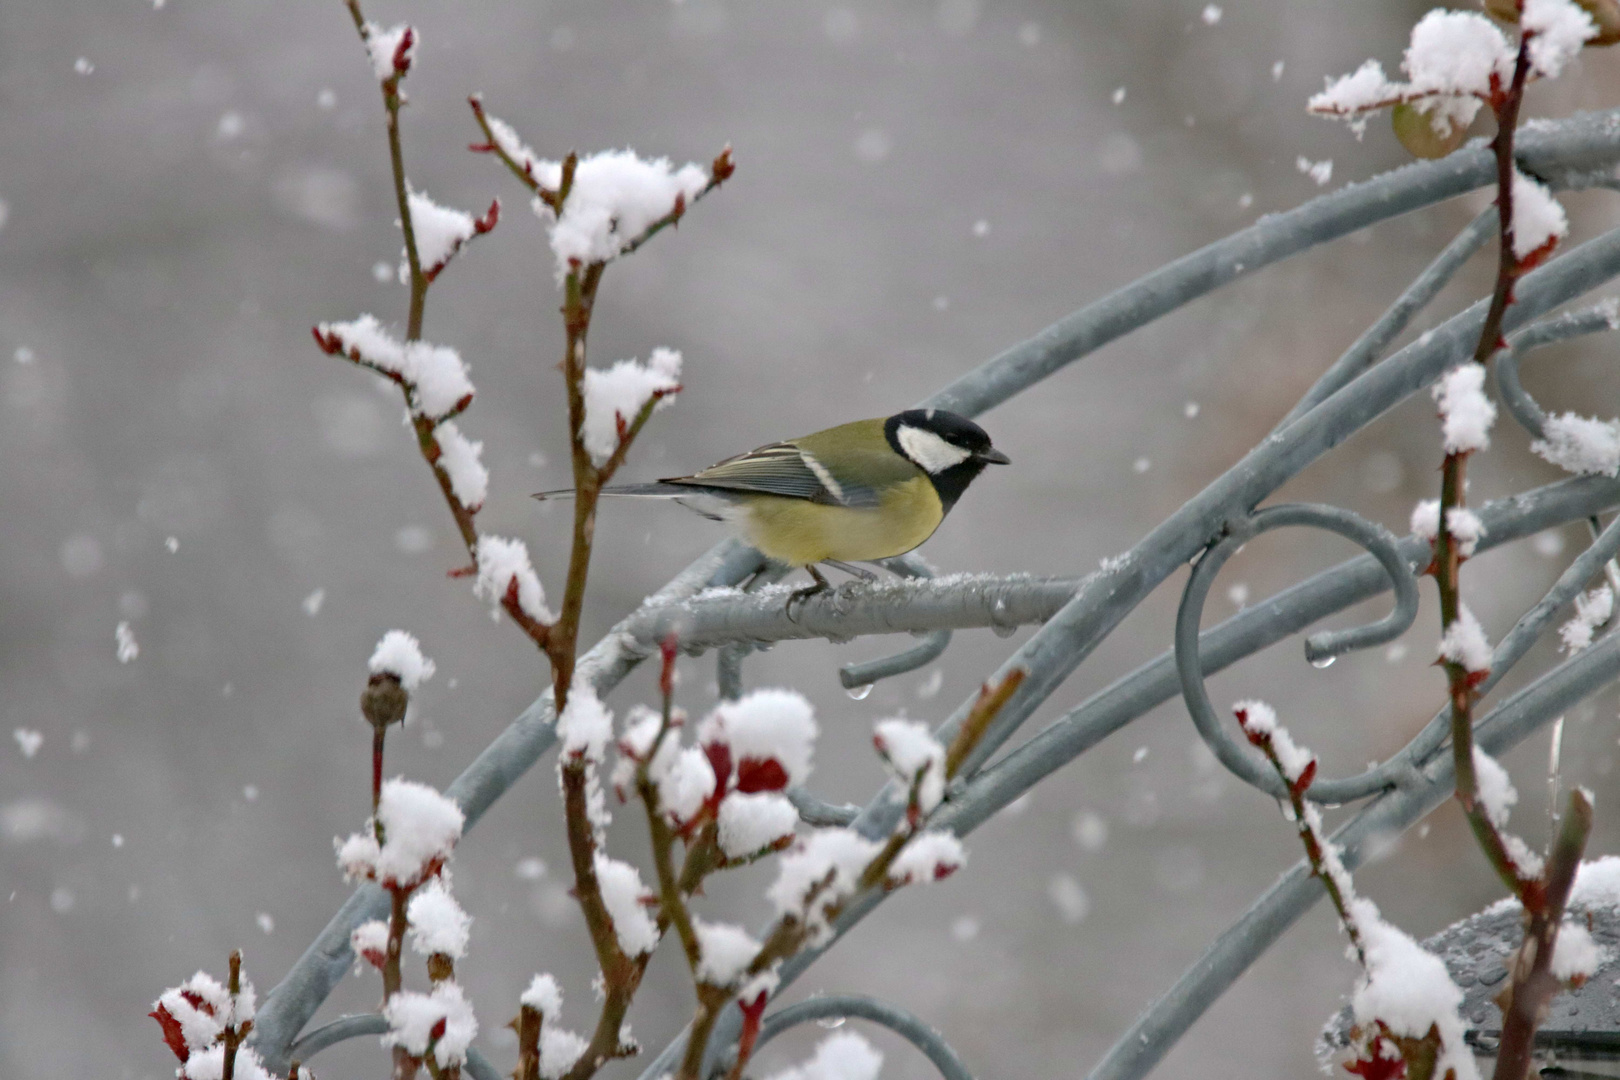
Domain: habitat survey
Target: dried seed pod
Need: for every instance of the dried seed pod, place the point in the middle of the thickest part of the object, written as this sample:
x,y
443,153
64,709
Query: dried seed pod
x,y
383,700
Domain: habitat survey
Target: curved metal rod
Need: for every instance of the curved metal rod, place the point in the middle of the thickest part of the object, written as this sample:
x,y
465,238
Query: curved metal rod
x,y
896,1019
342,1029
1525,409
352,1027
933,643
816,811
1370,345
1242,761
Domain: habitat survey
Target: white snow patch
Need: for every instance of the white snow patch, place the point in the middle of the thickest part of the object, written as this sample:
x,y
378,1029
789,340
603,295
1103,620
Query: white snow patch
x,y
615,197
440,231
1464,643
750,822
1576,954
1592,610
412,1016
382,46
766,725
400,654
1466,414
615,396
460,458
586,725
500,563
929,856
1260,717
1557,30
1580,444
626,900
420,828
725,952
437,922
1538,218
910,750
841,1056
1426,519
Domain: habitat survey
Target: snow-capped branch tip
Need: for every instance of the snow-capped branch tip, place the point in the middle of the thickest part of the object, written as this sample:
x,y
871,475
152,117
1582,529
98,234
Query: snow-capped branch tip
x,y
434,376
507,579
1259,723
440,1022
440,231
392,50
399,654
420,828
603,205
618,398
1458,61
917,759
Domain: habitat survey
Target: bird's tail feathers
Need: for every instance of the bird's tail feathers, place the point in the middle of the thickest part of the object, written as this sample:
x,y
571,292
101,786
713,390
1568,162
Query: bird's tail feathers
x,y
630,491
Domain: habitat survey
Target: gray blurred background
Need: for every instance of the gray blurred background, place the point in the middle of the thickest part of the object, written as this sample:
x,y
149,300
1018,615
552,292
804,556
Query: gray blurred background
x,y
922,183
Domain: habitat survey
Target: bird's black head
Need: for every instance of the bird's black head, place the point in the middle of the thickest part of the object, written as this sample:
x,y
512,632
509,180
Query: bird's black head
x,y
950,449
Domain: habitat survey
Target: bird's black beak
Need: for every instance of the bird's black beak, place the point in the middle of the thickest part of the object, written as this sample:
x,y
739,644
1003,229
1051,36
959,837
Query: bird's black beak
x,y
992,456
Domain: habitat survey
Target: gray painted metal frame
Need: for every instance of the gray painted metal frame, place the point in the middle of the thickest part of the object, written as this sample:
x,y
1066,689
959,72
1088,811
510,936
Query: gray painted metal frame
x,y
1077,614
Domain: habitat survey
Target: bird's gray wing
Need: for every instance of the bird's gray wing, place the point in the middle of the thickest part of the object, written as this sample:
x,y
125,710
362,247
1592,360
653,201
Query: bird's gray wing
x,y
782,469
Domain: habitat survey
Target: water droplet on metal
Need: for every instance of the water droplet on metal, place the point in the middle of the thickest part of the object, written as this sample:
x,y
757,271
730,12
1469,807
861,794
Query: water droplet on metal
x,y
1003,631
858,693
1323,661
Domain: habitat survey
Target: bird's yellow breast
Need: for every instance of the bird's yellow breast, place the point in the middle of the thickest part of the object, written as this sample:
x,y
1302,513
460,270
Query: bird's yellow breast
x,y
798,532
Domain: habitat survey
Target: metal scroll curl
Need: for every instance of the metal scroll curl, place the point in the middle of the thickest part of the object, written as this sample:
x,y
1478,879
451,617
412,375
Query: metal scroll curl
x,y
1322,647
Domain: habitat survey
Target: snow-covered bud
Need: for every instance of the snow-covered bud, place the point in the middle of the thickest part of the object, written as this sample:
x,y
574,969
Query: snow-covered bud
x,y
763,740
917,759
391,50
1464,643
749,823
627,901
507,577
420,828
369,941
929,856
442,1021
615,396
1466,414
440,231
437,922
725,951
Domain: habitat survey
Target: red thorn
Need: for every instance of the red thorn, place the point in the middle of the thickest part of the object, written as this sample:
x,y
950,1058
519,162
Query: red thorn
x,y
329,343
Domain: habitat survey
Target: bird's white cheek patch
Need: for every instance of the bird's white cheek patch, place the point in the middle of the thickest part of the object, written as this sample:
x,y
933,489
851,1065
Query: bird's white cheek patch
x,y
929,450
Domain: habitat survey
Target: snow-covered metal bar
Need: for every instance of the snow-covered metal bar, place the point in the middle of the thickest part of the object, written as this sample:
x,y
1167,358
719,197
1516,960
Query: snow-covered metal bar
x,y
898,606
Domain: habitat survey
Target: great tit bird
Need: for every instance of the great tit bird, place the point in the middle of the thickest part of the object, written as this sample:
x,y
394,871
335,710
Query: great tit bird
x,y
858,492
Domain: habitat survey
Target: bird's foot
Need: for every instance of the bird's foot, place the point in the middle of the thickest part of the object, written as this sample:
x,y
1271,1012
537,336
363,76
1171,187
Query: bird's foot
x,y
799,596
